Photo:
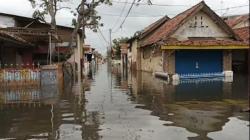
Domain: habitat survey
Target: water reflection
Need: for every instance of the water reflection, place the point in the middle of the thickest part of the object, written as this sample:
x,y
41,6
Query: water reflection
x,y
201,108
110,105
46,113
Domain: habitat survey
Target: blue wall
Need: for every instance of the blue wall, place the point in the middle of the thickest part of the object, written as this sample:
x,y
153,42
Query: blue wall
x,y
206,61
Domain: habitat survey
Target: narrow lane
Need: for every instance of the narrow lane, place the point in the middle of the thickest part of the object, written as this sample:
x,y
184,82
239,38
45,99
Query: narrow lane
x,y
122,119
110,105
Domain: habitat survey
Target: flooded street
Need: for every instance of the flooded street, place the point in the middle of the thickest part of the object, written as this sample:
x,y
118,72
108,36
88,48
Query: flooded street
x,y
111,105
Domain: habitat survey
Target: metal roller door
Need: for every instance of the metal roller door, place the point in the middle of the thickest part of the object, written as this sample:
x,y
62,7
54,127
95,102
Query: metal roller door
x,y
198,61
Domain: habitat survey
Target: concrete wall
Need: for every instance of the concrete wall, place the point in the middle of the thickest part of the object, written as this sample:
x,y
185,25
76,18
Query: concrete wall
x,y
227,60
205,27
6,21
169,61
76,58
153,62
133,61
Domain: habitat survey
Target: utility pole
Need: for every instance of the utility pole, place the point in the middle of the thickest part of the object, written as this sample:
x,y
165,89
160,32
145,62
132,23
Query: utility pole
x,y
110,63
110,48
110,40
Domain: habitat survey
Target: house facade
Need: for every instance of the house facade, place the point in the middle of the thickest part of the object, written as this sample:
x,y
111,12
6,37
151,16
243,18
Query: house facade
x,y
150,58
133,53
240,25
196,41
28,41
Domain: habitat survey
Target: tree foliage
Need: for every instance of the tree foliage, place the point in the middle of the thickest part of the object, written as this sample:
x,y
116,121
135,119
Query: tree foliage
x,y
47,7
117,46
87,16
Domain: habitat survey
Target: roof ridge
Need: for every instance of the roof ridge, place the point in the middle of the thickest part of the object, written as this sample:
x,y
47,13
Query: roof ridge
x,y
190,9
176,20
154,25
169,27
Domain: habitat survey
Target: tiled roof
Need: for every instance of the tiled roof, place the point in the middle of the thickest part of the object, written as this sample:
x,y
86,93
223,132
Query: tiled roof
x,y
167,29
243,33
169,26
236,20
154,26
174,42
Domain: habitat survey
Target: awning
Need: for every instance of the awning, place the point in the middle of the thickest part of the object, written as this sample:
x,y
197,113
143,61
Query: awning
x,y
6,36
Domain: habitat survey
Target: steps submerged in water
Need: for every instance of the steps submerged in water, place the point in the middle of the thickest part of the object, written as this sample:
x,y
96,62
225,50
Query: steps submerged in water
x,y
176,78
201,75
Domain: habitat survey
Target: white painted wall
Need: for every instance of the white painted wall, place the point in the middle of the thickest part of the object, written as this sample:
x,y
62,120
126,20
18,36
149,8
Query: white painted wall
x,y
132,56
134,50
6,21
65,44
209,29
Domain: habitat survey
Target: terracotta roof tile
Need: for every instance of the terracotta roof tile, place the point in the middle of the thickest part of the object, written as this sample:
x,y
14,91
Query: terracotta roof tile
x,y
165,31
236,20
243,33
154,26
204,43
169,26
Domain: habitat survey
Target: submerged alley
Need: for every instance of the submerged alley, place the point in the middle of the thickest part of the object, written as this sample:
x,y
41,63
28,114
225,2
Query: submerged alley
x,y
111,105
124,70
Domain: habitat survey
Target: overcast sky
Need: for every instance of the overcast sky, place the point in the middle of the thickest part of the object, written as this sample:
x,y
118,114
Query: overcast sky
x,y
139,17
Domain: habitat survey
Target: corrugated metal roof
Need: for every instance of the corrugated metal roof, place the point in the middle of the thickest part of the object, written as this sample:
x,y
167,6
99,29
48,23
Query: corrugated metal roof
x,y
14,38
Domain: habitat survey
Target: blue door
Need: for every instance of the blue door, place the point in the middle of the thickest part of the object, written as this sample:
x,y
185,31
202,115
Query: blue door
x,y
187,61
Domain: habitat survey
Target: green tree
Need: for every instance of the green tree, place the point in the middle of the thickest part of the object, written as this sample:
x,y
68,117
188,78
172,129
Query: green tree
x,y
117,46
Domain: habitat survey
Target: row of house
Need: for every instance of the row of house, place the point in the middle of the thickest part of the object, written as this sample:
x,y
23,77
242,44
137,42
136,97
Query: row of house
x,y
28,43
193,42
91,57
25,40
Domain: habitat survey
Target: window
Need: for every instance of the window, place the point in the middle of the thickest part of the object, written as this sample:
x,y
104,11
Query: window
x,y
202,22
147,52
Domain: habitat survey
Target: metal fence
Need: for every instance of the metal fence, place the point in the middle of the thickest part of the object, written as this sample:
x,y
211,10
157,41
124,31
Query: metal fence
x,y
19,76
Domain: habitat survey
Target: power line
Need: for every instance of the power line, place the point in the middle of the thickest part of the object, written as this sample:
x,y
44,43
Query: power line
x,y
99,31
123,9
130,8
226,9
174,5
232,7
101,39
131,16
138,3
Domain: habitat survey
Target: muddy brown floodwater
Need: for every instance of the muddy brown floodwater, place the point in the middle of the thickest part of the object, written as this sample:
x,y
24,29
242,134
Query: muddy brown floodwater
x,y
113,105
